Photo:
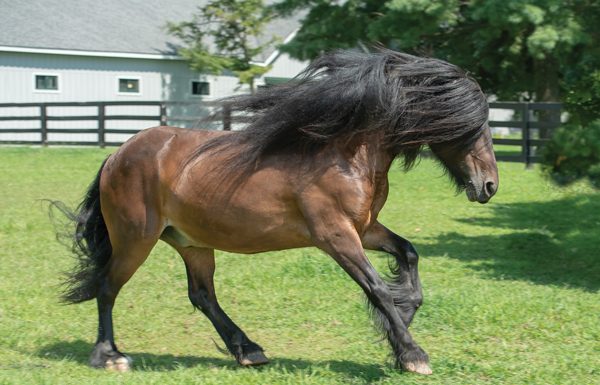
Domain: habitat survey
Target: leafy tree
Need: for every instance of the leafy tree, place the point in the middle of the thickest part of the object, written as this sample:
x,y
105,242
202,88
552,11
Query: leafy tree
x,y
516,48
223,36
531,50
574,153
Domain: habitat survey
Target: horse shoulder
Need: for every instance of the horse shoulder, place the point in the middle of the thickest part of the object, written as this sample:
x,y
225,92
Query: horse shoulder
x,y
339,194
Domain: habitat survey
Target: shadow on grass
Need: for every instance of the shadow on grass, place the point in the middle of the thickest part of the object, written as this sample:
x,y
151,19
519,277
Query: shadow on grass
x,y
78,351
555,242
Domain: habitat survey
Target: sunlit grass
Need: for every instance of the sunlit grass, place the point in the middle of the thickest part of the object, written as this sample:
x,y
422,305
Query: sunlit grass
x,y
511,291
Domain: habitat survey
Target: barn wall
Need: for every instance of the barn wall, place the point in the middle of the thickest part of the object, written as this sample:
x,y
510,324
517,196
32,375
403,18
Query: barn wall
x,y
88,79
286,67
84,78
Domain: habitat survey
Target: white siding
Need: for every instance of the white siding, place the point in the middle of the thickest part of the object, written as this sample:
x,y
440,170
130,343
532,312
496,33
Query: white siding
x,y
286,67
90,79
95,78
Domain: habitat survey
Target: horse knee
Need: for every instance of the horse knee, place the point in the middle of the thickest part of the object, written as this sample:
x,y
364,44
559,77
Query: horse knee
x,y
407,248
200,298
381,293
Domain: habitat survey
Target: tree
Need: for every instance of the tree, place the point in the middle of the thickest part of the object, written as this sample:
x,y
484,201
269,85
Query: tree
x,y
516,48
573,153
531,50
224,35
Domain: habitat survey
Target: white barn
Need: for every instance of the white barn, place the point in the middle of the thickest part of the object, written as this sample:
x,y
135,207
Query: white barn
x,y
111,50
87,50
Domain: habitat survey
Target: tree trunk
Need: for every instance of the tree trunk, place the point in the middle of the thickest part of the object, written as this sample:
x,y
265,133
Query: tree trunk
x,y
547,90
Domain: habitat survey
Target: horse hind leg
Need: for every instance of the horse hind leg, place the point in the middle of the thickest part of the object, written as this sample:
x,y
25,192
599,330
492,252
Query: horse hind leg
x,y
126,258
200,268
133,231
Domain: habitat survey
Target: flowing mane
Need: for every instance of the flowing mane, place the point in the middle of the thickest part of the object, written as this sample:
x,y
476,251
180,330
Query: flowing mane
x,y
413,101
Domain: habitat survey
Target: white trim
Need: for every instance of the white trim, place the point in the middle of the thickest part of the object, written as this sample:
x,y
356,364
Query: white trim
x,y
127,77
129,55
71,52
58,83
275,54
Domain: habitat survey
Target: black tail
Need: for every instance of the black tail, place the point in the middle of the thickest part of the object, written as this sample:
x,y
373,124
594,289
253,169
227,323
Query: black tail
x,y
90,244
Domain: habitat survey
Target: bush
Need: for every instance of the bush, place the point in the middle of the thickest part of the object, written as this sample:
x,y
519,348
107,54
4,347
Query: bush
x,y
574,153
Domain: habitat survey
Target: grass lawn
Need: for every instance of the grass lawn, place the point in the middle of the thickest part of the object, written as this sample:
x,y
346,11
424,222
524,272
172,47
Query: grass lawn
x,y
511,291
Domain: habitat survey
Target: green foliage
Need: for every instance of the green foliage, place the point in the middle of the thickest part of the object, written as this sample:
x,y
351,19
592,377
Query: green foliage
x,y
582,96
223,36
531,50
574,153
501,42
511,291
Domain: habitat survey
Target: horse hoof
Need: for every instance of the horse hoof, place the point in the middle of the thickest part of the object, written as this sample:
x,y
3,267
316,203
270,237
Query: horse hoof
x,y
119,364
254,359
419,367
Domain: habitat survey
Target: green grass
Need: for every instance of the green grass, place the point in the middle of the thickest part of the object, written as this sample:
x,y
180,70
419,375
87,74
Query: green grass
x,y
511,291
507,150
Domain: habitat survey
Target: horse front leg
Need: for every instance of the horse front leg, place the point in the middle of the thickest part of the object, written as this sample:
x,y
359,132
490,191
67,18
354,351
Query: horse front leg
x,y
340,240
200,268
405,284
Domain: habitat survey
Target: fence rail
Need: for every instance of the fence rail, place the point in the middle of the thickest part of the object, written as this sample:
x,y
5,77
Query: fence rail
x,y
101,117
534,121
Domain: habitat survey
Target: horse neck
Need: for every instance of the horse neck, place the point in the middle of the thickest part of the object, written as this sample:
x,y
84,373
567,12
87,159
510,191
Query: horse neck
x,y
369,152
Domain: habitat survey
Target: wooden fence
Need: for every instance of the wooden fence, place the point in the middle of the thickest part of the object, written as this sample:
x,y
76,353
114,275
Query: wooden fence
x,y
535,123
102,117
529,120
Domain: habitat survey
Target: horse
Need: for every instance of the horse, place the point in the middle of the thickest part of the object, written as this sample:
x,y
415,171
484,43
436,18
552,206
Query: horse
x,y
308,170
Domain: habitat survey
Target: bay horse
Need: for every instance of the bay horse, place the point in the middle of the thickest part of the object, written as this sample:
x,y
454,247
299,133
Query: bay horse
x,y
309,169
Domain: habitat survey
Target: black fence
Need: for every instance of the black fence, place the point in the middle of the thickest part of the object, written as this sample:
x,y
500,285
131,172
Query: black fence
x,y
163,113
529,128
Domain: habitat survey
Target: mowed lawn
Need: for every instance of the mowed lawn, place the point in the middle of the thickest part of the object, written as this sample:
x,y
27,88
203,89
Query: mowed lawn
x,y
511,291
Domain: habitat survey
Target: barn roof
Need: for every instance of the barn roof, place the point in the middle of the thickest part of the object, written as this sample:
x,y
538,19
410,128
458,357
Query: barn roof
x,y
106,26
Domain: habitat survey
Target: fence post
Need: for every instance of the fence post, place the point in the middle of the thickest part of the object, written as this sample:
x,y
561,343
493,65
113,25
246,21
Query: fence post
x,y
101,125
526,136
44,124
226,117
163,114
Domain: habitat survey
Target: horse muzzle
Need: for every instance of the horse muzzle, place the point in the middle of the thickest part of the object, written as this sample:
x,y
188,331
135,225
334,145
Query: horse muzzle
x,y
483,191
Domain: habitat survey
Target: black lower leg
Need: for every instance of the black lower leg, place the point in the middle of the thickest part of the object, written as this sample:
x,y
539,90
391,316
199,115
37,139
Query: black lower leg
x,y
394,328
407,353
105,353
243,349
404,282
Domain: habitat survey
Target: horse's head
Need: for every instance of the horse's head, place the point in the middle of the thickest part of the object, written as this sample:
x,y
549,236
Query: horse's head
x,y
472,164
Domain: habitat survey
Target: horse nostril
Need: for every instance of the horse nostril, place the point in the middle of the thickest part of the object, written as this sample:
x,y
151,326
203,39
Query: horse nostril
x,y
490,188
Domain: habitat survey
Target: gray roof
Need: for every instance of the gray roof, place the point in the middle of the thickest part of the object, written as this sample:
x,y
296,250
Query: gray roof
x,y
123,26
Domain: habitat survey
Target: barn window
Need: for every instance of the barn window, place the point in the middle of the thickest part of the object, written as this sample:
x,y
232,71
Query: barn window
x,y
129,85
200,88
46,82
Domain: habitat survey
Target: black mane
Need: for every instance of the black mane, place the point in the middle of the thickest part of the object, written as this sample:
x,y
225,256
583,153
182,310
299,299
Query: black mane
x,y
412,101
